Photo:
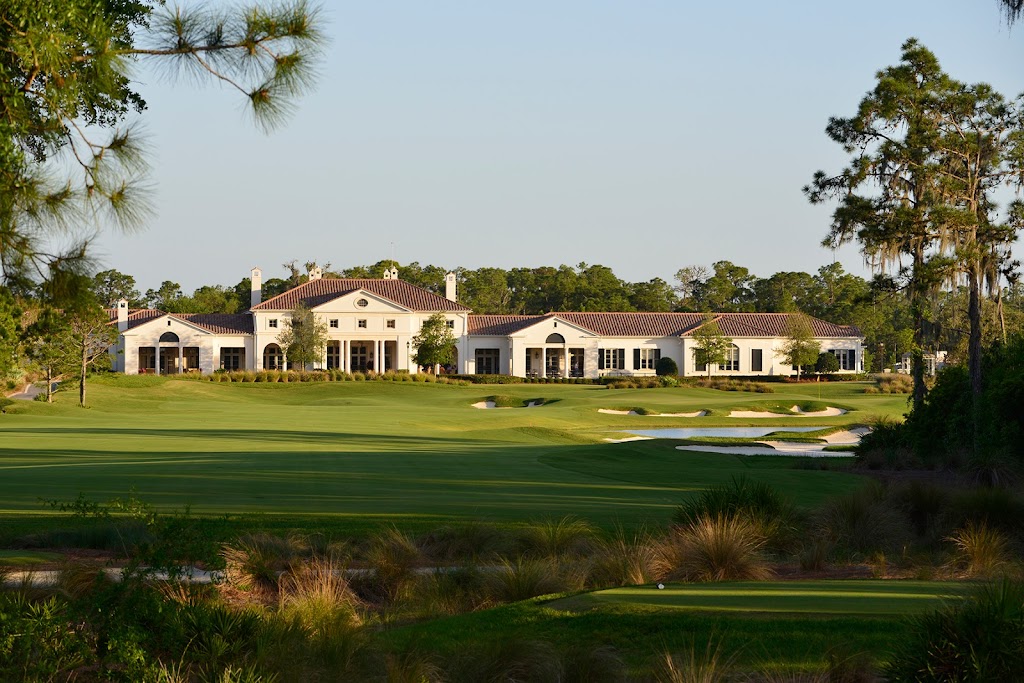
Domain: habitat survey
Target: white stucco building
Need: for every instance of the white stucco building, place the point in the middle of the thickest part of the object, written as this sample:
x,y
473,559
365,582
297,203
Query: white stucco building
x,y
371,324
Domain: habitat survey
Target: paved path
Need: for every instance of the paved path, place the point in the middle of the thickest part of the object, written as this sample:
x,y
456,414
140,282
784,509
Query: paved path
x,y
29,393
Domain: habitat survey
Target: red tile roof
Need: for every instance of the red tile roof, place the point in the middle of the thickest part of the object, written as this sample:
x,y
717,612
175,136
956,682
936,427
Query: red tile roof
x,y
217,323
499,325
317,292
657,324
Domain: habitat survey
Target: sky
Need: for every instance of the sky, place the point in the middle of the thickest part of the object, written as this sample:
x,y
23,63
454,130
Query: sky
x,y
645,136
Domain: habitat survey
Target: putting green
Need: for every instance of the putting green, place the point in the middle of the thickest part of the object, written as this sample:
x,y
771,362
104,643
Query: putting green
x,y
850,597
413,454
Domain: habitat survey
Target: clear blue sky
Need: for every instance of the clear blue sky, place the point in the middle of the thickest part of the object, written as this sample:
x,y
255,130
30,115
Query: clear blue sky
x,y
645,136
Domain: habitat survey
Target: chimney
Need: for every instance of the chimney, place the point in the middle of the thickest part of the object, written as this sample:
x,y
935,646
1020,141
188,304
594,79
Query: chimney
x,y
122,315
256,287
449,286
316,273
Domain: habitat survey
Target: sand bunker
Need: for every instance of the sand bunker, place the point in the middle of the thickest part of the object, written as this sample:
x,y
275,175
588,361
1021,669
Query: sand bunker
x,y
608,411
630,438
849,437
828,412
489,405
802,450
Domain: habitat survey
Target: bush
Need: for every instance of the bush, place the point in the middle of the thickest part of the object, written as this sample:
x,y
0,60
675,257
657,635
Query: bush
x,y
666,366
864,521
755,501
826,364
894,383
557,538
717,548
979,639
980,550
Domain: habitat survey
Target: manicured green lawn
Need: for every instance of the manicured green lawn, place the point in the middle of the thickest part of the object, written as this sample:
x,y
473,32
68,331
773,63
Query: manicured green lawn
x,y
418,455
789,626
19,558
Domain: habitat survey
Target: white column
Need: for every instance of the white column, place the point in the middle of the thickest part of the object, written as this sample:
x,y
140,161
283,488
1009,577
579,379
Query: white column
x,y
181,359
544,362
378,355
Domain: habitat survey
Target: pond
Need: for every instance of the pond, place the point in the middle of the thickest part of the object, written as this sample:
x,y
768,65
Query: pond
x,y
734,432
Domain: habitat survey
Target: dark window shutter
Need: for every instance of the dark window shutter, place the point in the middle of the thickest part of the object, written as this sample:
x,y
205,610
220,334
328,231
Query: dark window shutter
x,y
600,359
636,359
621,364
657,357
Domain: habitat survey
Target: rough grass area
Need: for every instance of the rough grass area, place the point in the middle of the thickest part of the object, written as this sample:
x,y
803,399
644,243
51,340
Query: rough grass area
x,y
21,558
350,454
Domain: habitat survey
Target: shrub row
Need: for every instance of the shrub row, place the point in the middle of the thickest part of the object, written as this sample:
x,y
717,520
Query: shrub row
x,y
287,376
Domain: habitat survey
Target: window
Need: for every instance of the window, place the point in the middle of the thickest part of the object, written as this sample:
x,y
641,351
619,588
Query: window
x,y
361,324
272,322
698,361
487,361
611,359
756,360
333,323
451,324
555,338
646,359
390,324
362,303
732,359
169,337
847,358
333,355
190,359
232,358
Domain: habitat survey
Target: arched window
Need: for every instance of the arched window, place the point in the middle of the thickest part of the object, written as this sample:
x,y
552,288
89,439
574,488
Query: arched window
x,y
273,357
169,337
554,338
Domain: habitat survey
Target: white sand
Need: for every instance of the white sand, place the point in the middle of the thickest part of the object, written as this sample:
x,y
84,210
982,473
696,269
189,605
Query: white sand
x,y
699,413
753,413
532,404
630,438
484,405
850,436
808,450
828,412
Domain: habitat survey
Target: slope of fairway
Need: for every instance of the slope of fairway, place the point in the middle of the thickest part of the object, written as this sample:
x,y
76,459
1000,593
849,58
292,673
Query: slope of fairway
x,y
410,453
785,626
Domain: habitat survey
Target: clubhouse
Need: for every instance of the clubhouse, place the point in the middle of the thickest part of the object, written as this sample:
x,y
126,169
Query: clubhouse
x,y
371,324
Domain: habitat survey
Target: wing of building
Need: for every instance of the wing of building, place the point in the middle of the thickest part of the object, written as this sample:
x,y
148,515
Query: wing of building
x,y
371,324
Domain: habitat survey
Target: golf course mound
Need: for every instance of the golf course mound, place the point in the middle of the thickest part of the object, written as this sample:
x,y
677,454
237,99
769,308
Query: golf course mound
x,y
874,597
648,413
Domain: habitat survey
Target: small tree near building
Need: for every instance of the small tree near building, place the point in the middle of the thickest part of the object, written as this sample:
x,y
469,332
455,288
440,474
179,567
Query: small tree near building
x,y
90,335
826,364
800,346
304,338
435,343
710,345
666,367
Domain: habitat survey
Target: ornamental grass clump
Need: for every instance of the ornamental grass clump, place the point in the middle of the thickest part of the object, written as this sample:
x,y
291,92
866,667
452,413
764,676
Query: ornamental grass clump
x,y
567,536
755,501
864,522
524,577
254,562
316,593
393,557
978,639
980,550
716,548
623,560
450,591
696,665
